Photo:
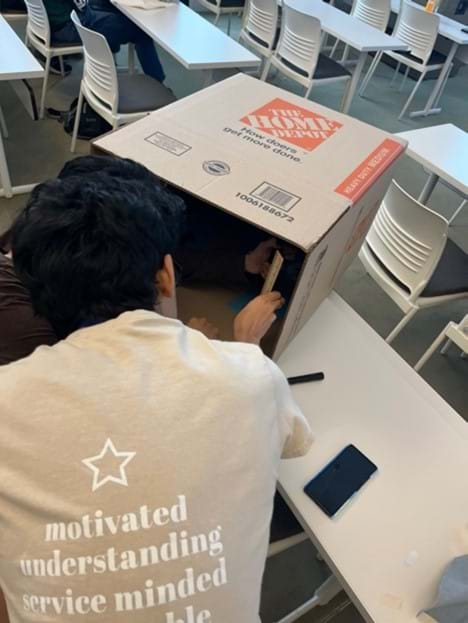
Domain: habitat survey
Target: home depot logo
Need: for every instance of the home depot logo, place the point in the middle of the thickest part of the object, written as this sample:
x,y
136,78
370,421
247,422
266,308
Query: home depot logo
x,y
292,123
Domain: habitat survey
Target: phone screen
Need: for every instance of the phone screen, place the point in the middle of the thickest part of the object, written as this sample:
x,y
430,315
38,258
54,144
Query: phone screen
x,y
340,480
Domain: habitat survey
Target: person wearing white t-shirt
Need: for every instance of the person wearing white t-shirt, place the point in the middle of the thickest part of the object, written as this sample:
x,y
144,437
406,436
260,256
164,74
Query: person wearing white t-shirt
x,y
138,458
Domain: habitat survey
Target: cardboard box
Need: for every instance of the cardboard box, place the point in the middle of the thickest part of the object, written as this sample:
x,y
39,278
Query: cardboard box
x,y
303,173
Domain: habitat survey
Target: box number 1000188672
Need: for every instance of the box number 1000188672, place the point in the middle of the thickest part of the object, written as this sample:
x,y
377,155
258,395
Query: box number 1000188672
x,y
265,206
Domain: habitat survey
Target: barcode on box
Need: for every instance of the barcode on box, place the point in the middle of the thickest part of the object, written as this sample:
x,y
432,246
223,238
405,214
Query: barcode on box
x,y
277,197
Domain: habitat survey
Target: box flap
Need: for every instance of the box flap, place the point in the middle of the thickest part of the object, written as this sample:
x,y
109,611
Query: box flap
x,y
287,165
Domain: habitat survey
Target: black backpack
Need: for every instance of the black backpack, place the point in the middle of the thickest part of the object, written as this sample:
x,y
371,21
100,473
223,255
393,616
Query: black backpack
x,y
91,124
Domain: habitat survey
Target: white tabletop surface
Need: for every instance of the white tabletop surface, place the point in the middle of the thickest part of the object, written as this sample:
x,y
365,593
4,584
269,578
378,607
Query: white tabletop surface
x,y
390,545
16,61
448,28
194,41
348,29
443,149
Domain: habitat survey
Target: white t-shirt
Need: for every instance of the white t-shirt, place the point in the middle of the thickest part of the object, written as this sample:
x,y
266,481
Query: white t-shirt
x,y
138,463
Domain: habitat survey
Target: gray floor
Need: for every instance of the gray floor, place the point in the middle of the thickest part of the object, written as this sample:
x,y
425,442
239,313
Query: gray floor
x,y
36,151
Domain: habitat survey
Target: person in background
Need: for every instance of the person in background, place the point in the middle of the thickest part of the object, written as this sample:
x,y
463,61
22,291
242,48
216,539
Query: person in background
x,y
21,330
102,17
105,18
159,449
62,29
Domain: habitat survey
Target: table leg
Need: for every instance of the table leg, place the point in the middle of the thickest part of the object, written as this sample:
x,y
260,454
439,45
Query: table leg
x,y
439,85
428,188
5,181
208,78
353,83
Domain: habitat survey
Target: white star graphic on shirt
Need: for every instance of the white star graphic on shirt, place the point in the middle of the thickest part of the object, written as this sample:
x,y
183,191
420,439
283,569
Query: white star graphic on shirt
x,y
100,477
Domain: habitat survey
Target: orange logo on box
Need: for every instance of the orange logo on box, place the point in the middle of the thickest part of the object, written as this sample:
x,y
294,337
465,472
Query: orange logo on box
x,y
292,124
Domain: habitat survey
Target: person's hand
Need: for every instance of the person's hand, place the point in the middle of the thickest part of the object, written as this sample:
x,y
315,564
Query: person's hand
x,y
204,326
252,322
256,262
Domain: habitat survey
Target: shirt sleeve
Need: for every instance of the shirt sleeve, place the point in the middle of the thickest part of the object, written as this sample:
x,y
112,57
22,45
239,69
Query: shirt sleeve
x,y
294,427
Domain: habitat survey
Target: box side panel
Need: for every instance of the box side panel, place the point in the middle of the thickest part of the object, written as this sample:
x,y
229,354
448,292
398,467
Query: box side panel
x,y
316,279
364,211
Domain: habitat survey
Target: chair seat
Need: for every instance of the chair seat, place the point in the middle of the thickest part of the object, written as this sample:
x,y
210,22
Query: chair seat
x,y
328,68
451,274
283,523
139,93
436,59
229,4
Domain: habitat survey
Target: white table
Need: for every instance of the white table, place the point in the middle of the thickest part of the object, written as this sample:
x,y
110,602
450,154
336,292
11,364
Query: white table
x,y
16,63
191,39
443,151
351,31
452,30
389,546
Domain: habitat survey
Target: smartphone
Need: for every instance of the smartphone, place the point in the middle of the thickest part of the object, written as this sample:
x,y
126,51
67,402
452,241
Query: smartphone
x,y
336,484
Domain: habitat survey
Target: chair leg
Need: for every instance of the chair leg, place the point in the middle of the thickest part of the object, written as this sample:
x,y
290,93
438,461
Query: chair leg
x,y
309,89
431,350
370,72
344,58
131,58
403,82
216,20
77,122
445,347
403,322
410,98
458,210
395,74
62,66
228,32
44,87
334,48
322,596
266,70
3,125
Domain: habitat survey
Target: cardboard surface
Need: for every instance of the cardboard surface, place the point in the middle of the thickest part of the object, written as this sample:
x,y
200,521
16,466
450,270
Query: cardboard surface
x,y
303,173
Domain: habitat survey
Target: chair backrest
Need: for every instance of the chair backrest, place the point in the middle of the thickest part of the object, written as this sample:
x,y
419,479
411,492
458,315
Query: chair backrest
x,y
299,43
38,21
407,238
376,13
99,71
418,29
260,23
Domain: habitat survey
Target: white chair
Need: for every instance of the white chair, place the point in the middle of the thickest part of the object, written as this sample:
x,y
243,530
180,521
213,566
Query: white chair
x,y
453,332
375,13
118,98
408,253
260,26
223,7
38,36
297,54
418,29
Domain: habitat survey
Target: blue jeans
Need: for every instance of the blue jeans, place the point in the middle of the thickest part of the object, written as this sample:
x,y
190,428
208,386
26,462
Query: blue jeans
x,y
66,34
119,30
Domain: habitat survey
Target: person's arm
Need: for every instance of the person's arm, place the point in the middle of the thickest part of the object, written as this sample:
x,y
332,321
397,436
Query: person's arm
x,y
294,428
3,611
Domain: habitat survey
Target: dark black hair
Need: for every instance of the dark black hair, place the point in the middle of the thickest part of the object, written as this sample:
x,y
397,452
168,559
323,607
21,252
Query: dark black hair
x,y
88,246
123,168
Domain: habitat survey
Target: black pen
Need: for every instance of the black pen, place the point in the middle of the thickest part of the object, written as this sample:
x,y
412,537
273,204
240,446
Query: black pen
x,y
306,378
